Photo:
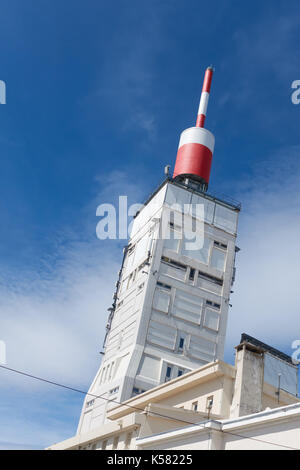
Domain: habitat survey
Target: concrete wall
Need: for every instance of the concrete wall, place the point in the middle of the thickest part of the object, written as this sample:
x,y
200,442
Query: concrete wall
x,y
248,387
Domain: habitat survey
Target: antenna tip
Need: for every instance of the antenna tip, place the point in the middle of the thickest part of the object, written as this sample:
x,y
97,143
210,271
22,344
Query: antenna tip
x,y
211,68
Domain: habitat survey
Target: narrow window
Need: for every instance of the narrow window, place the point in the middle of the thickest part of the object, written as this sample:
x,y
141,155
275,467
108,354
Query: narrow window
x,y
168,373
221,245
180,372
181,343
164,286
192,274
209,402
195,406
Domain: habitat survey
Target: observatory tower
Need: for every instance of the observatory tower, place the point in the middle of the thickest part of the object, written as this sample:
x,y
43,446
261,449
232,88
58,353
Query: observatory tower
x,y
170,308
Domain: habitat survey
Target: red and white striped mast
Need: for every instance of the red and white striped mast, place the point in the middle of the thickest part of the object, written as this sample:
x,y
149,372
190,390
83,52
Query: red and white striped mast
x,y
204,97
196,144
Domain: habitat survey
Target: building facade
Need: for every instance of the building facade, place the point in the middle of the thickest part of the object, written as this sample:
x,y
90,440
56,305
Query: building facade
x,y
217,406
172,300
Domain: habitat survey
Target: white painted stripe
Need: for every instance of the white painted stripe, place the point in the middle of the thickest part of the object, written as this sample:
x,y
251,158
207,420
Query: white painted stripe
x,y
197,135
203,103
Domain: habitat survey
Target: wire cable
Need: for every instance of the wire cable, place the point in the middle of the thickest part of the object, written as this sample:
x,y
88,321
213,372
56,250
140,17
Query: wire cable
x,y
73,389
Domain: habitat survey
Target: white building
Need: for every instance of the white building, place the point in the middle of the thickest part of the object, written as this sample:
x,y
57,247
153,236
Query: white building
x,y
162,383
172,301
216,407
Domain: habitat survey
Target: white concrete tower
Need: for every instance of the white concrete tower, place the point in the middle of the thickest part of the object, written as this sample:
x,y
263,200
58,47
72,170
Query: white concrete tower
x,y
172,299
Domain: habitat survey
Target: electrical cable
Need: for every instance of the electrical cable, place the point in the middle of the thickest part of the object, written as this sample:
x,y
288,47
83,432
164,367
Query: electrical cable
x,y
134,407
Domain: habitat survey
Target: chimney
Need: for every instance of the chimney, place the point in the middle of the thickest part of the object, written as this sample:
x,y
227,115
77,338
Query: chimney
x,y
248,387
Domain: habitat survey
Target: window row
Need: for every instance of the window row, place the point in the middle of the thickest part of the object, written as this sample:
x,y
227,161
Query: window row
x,y
211,252
173,371
129,280
106,373
137,391
201,345
183,272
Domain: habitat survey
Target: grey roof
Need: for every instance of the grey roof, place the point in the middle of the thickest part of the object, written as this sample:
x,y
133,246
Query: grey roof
x,y
275,352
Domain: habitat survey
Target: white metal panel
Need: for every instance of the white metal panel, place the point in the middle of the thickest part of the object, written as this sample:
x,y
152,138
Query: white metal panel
x,y
217,259
162,335
161,300
209,286
176,195
171,243
211,319
197,254
200,347
187,306
147,212
172,271
149,367
226,219
209,207
142,248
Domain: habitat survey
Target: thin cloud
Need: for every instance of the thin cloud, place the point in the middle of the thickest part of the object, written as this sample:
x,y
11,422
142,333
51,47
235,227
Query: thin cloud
x,y
52,320
265,299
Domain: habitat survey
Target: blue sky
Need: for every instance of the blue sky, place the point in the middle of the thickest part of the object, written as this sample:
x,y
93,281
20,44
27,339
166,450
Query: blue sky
x,y
97,95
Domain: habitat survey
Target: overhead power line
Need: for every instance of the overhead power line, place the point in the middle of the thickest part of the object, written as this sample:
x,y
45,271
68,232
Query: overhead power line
x,y
82,392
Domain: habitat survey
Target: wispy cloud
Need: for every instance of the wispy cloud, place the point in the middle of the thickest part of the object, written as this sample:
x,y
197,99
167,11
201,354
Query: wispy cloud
x,y
266,300
126,79
53,322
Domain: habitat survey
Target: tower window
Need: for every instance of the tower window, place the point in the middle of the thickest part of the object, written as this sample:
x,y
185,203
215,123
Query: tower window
x,y
163,286
221,245
90,403
180,372
208,277
195,406
209,402
213,304
137,391
181,343
168,373
192,274
173,263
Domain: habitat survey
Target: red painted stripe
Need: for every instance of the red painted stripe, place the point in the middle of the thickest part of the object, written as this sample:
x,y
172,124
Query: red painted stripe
x,y
193,159
207,80
200,120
